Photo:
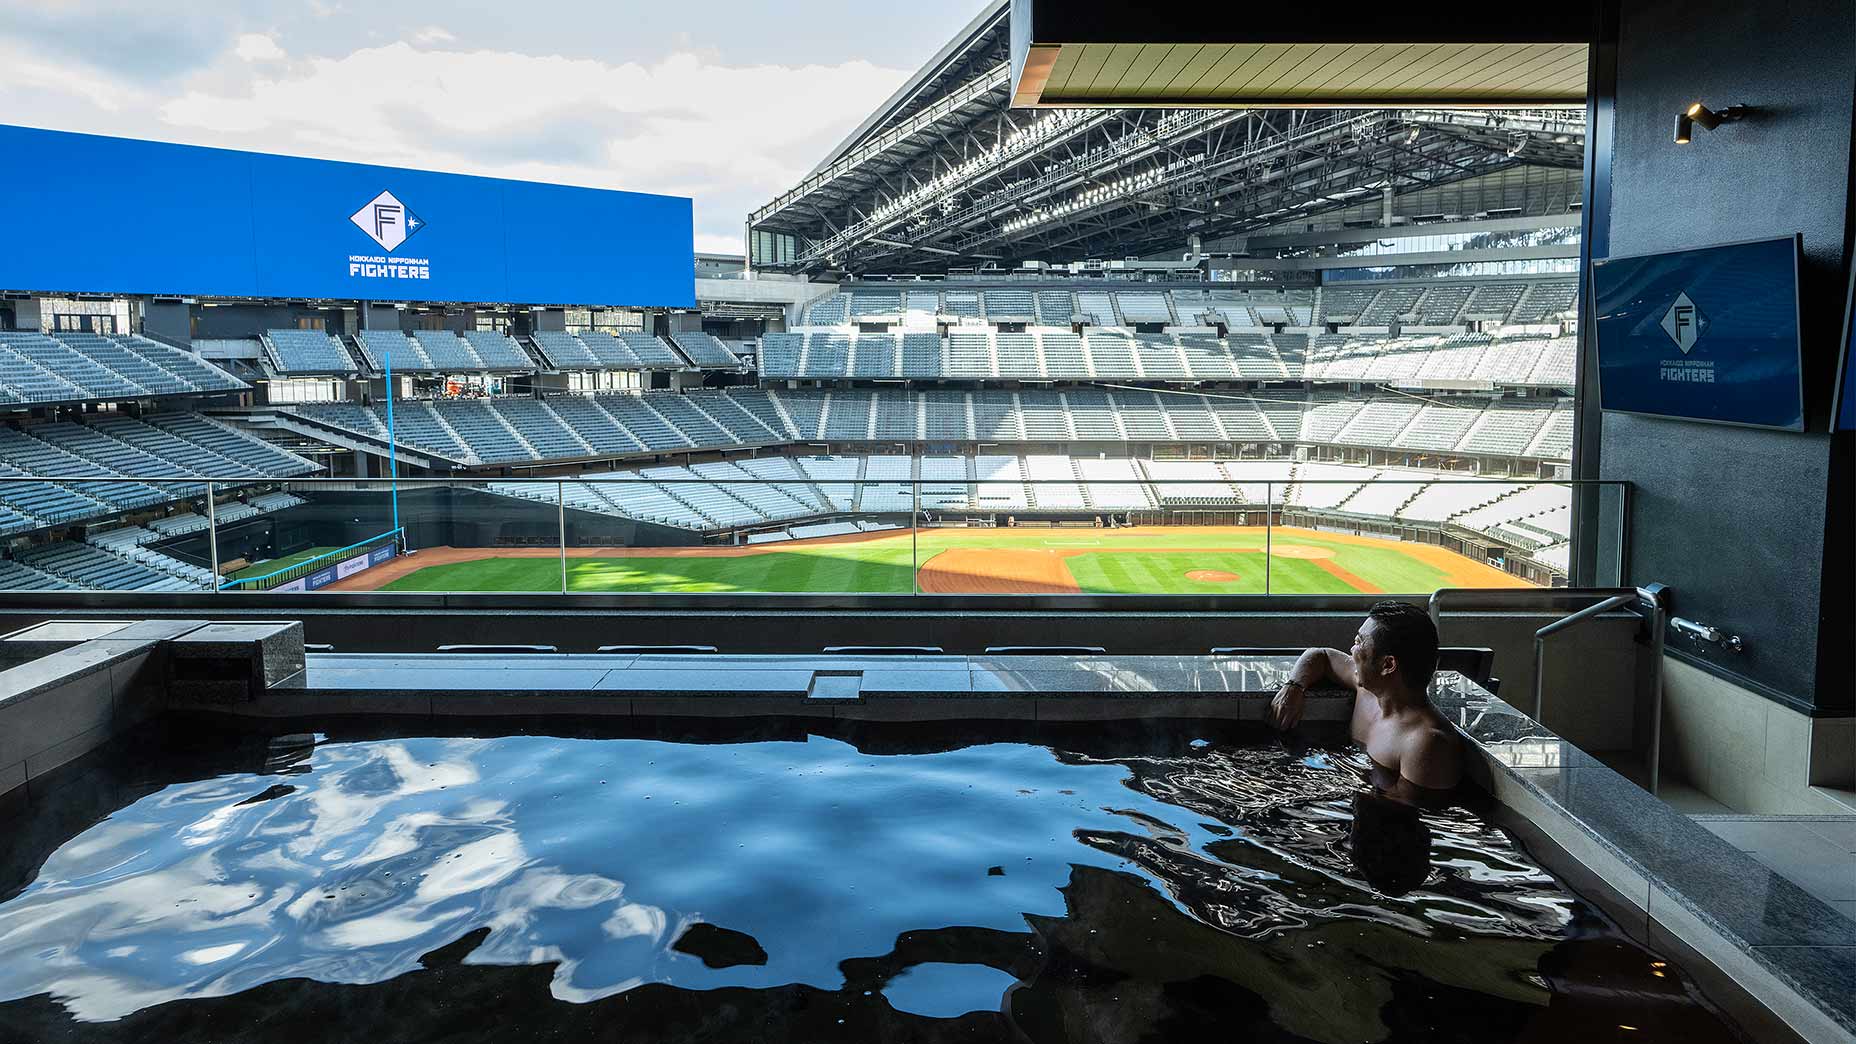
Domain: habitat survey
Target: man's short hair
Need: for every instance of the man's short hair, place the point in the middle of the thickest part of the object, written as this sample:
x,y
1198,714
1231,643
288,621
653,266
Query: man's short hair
x,y
1406,632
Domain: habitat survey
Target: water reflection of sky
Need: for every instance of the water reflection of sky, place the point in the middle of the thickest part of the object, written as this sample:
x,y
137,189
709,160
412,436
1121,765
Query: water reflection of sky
x,y
596,855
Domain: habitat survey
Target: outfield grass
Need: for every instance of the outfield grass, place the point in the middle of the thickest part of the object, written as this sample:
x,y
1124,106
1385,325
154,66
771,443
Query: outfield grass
x,y
274,565
1150,560
852,568
1164,572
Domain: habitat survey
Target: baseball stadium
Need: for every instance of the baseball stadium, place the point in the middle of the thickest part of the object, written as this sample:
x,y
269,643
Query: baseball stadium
x,y
1172,523
1142,351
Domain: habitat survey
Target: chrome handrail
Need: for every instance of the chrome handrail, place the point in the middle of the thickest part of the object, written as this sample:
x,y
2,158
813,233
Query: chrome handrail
x,y
1650,603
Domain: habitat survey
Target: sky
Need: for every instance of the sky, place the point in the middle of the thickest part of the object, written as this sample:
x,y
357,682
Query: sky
x,y
729,102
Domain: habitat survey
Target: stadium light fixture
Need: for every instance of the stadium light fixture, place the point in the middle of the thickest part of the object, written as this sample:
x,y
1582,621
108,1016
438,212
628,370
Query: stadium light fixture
x,y
1697,113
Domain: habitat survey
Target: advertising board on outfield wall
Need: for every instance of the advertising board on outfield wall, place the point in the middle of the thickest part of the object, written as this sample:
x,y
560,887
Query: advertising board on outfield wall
x,y
342,570
115,215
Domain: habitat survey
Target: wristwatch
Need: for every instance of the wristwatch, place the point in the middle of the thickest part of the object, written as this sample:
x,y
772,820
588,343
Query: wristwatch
x,y
1297,684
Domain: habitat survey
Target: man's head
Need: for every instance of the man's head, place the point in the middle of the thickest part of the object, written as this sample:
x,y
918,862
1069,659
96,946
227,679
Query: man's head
x,y
1397,642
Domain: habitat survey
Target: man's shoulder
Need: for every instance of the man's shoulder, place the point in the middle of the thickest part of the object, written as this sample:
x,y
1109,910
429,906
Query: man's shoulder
x,y
1432,756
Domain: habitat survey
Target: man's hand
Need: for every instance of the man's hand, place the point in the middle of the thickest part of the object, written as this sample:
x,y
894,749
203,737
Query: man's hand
x,y
1286,708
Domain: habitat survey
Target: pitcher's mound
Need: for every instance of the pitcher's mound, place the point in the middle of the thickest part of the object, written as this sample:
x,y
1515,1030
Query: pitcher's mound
x,y
1212,576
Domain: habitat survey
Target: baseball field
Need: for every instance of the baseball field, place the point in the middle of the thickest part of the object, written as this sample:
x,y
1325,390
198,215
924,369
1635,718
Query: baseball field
x,y
1138,560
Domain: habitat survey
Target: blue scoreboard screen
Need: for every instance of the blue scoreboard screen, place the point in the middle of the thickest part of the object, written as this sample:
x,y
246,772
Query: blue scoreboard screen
x,y
1708,334
115,215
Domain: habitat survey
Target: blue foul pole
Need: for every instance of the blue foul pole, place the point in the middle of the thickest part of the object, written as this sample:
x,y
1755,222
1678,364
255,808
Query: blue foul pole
x,y
393,460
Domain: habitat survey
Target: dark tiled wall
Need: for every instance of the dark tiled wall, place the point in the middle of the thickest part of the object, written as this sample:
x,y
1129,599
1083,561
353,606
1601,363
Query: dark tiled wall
x,y
1751,528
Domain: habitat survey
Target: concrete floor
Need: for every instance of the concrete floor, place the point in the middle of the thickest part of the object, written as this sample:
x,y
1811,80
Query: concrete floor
x,y
1816,853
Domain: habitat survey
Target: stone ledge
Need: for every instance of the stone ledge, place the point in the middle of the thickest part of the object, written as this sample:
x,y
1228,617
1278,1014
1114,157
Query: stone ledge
x,y
1786,950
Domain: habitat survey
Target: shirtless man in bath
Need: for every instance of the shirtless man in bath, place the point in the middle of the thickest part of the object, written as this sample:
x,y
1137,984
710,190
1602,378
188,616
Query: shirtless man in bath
x,y
1415,754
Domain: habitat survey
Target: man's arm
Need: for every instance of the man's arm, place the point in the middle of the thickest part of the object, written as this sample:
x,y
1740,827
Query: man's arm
x,y
1314,667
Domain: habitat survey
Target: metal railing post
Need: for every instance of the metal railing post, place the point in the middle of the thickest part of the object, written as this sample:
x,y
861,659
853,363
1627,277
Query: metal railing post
x,y
560,503
1269,530
915,521
1562,624
1659,624
212,537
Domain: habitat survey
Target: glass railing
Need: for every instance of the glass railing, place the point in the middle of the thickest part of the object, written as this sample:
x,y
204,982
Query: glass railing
x,y
829,526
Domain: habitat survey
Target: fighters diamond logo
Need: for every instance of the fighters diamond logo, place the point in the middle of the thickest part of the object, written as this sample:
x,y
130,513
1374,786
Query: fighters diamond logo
x,y
387,221
1684,322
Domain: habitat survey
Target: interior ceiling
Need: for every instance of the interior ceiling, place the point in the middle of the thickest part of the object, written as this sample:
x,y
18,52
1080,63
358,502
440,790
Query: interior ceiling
x,y
1303,74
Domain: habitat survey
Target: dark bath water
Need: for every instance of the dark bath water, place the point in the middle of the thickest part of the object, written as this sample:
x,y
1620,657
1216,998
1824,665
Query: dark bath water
x,y
867,886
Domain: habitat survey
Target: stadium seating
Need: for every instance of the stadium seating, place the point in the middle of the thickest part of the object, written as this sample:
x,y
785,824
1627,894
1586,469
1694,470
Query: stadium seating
x,y
17,576
564,351
1146,307
920,307
963,304
498,351
602,349
845,415
1393,305
479,427
470,432
127,542
712,495
306,352
1113,484
612,352
159,368
1344,304
651,351
1179,356
1493,301
266,502
1054,483
541,427
28,455
1546,301
256,456
1017,306
391,348
1101,303
449,352
827,311
887,485
1055,307
1001,484
586,418
70,367
82,565
1442,305
705,351
1096,308
867,304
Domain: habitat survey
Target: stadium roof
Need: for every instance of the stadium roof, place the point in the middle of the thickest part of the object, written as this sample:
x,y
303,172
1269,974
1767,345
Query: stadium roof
x,y
1448,52
983,43
946,173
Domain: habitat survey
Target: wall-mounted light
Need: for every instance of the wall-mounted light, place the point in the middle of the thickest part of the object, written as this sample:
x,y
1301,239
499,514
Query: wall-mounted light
x,y
1697,113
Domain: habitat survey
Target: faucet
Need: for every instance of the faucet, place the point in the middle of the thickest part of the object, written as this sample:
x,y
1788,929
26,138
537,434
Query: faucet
x,y
1705,633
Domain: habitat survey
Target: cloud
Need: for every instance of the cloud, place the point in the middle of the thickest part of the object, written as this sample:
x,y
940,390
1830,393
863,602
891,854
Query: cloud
x,y
731,137
129,41
256,47
433,34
